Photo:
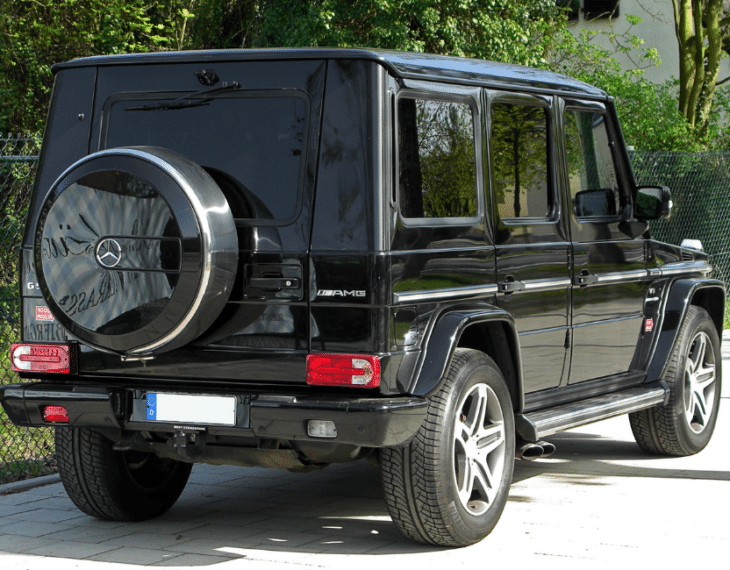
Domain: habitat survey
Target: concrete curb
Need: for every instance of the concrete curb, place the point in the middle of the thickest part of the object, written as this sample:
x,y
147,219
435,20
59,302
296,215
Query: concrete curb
x,y
20,486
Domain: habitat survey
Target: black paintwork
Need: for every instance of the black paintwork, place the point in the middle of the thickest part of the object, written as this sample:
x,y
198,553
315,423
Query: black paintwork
x,y
400,64
561,304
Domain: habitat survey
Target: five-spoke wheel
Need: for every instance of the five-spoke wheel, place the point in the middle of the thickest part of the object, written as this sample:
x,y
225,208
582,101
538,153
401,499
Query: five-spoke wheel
x,y
699,383
479,449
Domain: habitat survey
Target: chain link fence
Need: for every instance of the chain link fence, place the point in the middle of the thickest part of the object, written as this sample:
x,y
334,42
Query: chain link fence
x,y
24,452
700,185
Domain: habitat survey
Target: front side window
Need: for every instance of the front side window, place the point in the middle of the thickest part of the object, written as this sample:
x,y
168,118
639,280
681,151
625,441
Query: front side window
x,y
519,160
436,159
252,145
594,190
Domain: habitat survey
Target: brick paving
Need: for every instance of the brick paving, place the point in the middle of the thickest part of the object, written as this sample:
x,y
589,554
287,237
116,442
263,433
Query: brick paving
x,y
598,502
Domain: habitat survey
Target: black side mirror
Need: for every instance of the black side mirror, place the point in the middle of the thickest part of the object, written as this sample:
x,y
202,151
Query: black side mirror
x,y
652,203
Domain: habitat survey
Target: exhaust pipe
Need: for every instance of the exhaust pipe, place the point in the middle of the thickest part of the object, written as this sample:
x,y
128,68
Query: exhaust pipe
x,y
529,451
547,448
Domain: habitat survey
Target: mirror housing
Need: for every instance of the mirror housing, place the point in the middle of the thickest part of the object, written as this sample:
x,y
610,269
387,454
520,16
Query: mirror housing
x,y
652,203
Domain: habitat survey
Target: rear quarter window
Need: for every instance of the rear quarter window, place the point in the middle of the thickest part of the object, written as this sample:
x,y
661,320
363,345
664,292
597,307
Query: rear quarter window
x,y
436,159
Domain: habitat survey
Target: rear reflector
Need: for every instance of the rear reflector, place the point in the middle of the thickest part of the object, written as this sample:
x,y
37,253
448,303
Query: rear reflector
x,y
55,414
40,358
322,429
355,370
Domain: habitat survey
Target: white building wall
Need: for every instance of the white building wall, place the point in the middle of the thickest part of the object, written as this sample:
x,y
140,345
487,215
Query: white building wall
x,y
657,30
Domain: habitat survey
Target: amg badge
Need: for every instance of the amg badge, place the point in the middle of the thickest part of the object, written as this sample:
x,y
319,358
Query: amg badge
x,y
339,293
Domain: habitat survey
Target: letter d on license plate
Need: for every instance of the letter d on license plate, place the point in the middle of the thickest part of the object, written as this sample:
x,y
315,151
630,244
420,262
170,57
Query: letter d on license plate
x,y
191,409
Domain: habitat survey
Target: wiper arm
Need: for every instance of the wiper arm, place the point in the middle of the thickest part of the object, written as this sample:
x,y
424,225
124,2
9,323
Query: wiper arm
x,y
188,100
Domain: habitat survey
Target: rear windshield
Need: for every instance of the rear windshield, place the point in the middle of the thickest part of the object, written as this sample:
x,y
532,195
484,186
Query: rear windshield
x,y
251,143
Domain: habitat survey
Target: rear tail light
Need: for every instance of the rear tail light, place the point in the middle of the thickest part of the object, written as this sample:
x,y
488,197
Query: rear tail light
x,y
55,414
55,358
355,370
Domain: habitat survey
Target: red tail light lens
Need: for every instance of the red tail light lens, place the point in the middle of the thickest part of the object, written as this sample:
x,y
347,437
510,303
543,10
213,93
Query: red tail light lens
x,y
40,358
354,370
55,414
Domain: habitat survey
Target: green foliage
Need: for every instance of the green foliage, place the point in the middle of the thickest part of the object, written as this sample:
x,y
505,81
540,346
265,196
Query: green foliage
x,y
648,111
501,30
226,24
36,34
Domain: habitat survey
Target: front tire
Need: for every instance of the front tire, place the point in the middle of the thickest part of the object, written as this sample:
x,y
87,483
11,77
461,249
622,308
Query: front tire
x,y
450,485
694,376
116,485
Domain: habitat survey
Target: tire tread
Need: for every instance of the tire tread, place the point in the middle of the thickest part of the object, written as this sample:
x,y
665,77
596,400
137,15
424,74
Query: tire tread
x,y
410,474
658,430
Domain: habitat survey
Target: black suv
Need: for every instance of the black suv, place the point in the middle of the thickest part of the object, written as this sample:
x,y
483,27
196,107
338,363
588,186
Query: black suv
x,y
292,258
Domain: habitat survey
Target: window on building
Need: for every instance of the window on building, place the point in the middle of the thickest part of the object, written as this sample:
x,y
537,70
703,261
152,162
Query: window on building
x,y
595,9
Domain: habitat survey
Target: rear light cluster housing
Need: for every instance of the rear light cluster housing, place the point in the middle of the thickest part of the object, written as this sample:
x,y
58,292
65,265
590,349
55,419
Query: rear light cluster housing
x,y
348,370
55,414
42,358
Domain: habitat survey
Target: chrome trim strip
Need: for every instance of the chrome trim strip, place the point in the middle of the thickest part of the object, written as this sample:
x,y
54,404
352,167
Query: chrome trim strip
x,y
634,317
621,276
685,267
439,294
546,284
669,269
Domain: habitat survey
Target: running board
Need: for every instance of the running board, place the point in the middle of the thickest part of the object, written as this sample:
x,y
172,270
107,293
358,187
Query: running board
x,y
534,426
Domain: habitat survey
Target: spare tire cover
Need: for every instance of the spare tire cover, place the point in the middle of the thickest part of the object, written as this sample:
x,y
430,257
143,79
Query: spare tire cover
x,y
136,250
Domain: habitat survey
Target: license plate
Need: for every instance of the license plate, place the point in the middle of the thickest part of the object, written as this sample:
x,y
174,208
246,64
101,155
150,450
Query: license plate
x,y
189,409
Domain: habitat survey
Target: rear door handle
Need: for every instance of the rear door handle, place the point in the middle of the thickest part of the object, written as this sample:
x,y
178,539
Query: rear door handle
x,y
509,285
274,282
584,278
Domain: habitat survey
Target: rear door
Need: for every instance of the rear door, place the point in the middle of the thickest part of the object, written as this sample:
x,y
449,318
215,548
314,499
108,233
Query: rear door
x,y
533,274
254,128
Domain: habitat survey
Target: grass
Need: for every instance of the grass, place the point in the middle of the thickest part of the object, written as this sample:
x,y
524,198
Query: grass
x,y
27,469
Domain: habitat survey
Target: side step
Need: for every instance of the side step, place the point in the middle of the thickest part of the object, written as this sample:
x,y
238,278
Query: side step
x,y
534,426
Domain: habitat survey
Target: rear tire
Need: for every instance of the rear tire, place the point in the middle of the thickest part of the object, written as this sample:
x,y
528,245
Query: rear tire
x,y
116,485
450,485
694,376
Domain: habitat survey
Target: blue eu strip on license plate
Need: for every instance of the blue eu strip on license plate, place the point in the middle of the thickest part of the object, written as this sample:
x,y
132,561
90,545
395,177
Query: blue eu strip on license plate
x,y
152,407
191,409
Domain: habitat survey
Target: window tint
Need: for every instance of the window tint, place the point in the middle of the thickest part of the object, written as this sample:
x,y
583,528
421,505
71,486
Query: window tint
x,y
437,165
519,151
251,146
592,178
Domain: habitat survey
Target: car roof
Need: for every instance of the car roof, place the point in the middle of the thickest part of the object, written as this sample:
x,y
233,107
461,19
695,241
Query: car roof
x,y
402,65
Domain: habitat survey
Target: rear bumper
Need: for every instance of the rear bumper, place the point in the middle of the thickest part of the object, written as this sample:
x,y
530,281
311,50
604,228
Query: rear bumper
x,y
366,422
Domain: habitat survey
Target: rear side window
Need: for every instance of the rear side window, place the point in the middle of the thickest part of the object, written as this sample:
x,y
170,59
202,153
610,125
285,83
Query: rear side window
x,y
594,190
253,145
436,159
519,160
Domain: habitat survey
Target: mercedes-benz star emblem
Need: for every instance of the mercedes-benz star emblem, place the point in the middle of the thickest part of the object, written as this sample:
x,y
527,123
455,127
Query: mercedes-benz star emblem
x,y
108,253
